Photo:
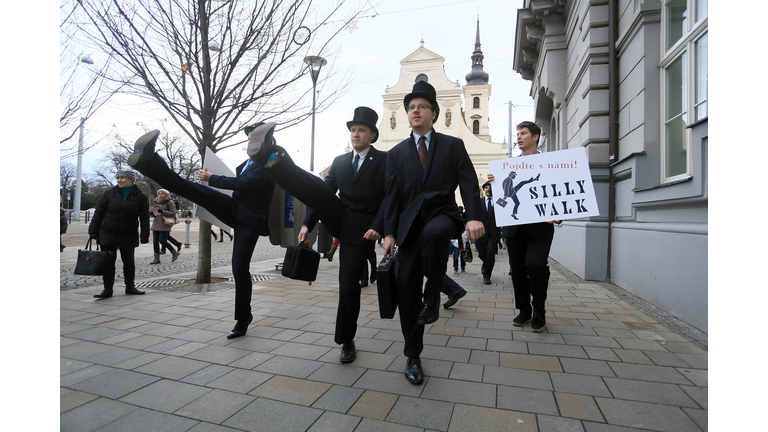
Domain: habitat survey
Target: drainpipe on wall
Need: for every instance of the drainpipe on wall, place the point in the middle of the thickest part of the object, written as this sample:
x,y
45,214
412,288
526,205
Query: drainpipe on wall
x,y
613,120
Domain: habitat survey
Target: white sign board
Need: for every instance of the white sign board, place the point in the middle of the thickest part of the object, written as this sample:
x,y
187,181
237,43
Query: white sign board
x,y
215,166
542,187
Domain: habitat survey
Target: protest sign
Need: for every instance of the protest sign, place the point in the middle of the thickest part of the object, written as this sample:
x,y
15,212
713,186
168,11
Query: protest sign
x,y
215,166
543,187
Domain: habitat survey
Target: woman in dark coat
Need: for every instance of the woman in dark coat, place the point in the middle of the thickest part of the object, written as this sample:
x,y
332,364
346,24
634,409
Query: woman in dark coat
x,y
120,213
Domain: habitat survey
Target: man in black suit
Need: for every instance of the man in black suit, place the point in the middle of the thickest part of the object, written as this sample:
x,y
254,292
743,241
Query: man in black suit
x,y
422,174
355,216
488,244
528,249
247,210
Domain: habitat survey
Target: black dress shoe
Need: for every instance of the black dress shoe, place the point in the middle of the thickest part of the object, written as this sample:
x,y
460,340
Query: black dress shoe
x,y
133,290
106,293
241,327
413,372
522,319
486,280
260,142
143,150
428,315
363,282
373,275
454,298
538,323
348,352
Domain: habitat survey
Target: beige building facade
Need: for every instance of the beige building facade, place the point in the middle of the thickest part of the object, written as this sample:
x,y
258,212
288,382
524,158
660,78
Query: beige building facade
x,y
425,65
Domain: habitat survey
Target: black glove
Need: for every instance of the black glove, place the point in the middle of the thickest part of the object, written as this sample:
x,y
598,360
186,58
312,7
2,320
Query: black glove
x,y
94,236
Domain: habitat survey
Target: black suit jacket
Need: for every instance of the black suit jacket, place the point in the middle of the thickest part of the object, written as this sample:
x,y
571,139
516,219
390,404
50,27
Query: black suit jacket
x,y
252,195
362,196
492,232
412,192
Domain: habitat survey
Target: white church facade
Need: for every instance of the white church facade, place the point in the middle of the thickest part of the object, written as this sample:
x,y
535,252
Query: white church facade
x,y
470,123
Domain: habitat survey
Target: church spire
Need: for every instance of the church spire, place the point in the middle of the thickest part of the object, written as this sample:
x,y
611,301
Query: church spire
x,y
477,76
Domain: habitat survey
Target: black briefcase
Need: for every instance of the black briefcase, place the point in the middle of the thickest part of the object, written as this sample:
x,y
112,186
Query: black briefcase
x,y
301,263
386,286
92,262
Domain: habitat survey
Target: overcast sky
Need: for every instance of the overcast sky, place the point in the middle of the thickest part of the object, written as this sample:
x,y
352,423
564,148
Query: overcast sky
x,y
373,52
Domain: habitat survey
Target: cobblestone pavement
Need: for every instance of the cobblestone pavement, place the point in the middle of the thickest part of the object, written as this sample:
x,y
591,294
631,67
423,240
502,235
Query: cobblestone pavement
x,y
221,255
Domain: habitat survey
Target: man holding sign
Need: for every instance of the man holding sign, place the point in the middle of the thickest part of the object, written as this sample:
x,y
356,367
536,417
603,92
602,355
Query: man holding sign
x,y
528,244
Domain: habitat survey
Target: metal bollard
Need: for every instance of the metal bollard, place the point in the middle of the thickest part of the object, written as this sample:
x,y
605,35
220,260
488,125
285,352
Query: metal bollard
x,y
186,232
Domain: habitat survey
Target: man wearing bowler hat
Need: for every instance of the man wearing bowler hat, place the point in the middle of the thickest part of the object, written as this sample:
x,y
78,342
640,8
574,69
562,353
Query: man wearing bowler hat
x,y
422,217
355,216
247,210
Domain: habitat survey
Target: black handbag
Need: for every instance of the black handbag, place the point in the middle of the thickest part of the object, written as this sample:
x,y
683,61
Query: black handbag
x,y
92,262
386,286
301,263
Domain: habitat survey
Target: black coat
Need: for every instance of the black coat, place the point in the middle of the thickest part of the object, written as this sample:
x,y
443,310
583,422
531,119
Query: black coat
x,y
252,195
492,232
362,196
117,218
411,192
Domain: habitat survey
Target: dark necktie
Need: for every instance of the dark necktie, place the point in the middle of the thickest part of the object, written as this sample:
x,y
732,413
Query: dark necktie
x,y
354,165
423,152
490,209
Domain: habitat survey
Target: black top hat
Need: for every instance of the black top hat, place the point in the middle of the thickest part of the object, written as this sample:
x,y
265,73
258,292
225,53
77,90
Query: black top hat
x,y
250,128
365,116
424,90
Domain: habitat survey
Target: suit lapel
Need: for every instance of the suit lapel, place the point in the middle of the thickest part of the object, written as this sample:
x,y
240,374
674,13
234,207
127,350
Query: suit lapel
x,y
367,162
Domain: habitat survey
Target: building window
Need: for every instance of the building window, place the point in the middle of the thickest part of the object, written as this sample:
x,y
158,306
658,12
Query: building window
x,y
476,102
684,80
422,77
476,127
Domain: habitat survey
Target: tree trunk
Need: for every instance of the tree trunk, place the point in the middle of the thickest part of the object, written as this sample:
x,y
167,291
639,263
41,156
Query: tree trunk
x,y
204,253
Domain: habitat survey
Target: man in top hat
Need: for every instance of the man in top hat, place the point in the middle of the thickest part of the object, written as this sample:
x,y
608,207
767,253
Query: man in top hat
x,y
247,210
488,244
354,217
422,217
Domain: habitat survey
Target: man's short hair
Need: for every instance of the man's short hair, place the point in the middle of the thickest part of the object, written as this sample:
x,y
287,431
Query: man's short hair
x,y
532,127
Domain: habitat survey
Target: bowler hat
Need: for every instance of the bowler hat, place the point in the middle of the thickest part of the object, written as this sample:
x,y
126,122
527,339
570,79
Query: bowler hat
x,y
250,128
424,90
367,117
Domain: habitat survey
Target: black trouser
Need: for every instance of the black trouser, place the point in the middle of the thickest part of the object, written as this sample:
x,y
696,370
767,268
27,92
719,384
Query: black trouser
x,y
352,261
371,259
424,253
221,206
172,241
315,194
129,266
530,272
486,251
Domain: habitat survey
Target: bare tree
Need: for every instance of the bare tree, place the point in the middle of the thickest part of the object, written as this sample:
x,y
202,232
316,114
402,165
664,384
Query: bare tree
x,y
84,87
216,66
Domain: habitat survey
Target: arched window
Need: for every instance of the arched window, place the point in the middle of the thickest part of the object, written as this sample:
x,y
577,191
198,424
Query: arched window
x,y
422,77
476,127
476,102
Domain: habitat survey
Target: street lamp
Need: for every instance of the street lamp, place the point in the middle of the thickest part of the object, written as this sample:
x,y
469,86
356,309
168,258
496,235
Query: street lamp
x,y
315,63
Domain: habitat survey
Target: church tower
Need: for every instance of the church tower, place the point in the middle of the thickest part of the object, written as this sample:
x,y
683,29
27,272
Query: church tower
x,y
477,93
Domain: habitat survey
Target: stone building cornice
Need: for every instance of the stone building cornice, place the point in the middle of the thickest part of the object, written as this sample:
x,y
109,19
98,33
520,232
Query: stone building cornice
x,y
539,23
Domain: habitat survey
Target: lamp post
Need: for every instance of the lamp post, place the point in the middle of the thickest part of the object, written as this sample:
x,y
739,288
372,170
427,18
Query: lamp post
x,y
315,63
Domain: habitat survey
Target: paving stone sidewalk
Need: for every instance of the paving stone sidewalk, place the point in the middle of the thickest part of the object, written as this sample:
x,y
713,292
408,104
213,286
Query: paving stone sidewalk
x,y
161,362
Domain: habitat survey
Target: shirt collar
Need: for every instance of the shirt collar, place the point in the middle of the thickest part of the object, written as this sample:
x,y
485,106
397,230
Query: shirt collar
x,y
428,137
363,153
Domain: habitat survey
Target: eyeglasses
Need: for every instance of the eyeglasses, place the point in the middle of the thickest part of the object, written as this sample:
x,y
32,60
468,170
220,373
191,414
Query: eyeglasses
x,y
421,107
